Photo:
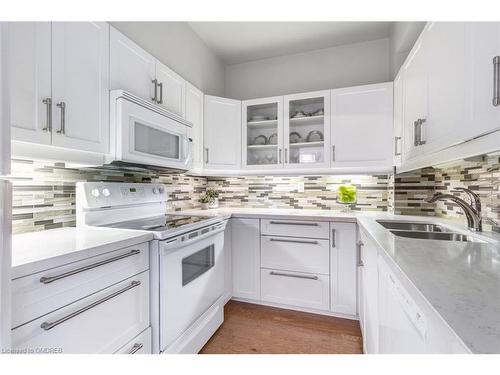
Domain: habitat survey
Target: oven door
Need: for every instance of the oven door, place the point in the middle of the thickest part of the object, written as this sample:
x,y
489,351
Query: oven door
x,y
144,136
191,281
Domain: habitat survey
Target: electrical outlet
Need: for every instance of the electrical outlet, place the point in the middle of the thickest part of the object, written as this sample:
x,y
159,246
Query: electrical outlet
x,y
300,186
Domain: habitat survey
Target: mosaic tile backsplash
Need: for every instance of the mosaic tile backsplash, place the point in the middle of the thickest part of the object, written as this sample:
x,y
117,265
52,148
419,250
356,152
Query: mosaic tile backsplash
x,y
44,193
481,175
306,192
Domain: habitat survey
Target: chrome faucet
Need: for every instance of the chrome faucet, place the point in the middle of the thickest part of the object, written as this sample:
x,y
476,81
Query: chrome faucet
x,y
472,210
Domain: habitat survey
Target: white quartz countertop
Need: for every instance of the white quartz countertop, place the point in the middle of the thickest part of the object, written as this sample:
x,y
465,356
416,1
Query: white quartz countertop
x,y
460,280
36,251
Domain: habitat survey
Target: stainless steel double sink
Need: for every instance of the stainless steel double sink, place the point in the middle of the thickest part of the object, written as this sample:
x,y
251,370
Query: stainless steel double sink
x,y
425,231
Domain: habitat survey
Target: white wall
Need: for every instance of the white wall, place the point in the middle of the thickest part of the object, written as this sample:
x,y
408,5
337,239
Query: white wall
x,y
342,66
403,37
180,48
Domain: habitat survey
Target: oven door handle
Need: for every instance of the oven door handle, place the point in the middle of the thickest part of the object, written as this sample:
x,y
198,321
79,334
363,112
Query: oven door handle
x,y
174,243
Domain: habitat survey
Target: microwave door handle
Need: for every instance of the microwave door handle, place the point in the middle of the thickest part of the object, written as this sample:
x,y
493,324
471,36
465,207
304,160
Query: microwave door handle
x,y
186,148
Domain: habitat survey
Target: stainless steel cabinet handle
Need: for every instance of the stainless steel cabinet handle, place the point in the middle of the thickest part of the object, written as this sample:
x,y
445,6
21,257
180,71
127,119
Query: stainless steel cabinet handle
x,y
272,273
496,81
206,155
160,85
49,325
136,348
293,241
360,261
396,148
48,125
416,135
155,97
289,223
333,153
422,141
62,130
50,279
279,156
334,238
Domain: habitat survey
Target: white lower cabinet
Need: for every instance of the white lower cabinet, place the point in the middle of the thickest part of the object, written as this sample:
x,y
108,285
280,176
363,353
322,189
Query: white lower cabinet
x,y
141,344
295,254
402,325
369,286
245,246
295,289
343,272
99,323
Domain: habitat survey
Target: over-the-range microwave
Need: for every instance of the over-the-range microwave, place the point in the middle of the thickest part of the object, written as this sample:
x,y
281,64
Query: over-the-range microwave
x,y
147,134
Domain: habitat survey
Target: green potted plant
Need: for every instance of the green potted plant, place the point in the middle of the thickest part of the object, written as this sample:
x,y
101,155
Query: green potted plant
x,y
210,199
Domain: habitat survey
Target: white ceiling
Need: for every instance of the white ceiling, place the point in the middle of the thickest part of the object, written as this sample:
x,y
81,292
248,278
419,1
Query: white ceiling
x,y
237,42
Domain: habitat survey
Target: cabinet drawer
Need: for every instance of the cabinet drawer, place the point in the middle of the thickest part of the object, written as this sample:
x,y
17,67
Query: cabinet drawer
x,y
100,323
40,293
141,344
295,228
295,289
295,254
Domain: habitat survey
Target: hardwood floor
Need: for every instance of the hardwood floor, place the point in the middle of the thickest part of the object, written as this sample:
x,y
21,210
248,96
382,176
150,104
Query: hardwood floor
x,y
250,328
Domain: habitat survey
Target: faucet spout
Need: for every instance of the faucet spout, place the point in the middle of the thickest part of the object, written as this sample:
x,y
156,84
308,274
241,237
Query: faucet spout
x,y
472,211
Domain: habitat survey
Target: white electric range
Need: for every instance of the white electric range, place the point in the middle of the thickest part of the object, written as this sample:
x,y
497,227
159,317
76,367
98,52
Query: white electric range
x,y
186,259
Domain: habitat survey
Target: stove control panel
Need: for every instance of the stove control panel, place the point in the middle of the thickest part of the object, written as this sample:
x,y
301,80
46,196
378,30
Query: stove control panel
x,y
110,194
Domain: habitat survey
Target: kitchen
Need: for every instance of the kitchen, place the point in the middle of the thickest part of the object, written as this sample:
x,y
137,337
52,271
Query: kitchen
x,y
228,199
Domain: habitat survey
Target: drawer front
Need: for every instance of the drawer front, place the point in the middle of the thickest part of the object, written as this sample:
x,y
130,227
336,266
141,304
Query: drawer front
x,y
38,294
295,289
295,254
141,344
100,323
295,228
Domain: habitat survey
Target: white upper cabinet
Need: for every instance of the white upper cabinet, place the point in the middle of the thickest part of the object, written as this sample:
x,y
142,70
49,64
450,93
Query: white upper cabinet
x,y
171,89
362,126
398,120
483,39
30,88
80,85
415,100
446,58
307,130
131,68
194,114
262,133
136,71
222,133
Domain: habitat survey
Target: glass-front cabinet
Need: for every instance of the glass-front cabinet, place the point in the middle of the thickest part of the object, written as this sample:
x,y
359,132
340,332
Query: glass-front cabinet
x,y
307,130
263,133
291,132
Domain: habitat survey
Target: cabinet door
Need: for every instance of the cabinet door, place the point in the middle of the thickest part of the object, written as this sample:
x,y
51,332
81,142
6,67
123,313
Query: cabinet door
x,y
445,46
222,132
307,130
262,137
194,114
171,89
343,272
369,256
397,333
80,85
398,120
246,258
30,61
415,98
131,68
362,122
483,40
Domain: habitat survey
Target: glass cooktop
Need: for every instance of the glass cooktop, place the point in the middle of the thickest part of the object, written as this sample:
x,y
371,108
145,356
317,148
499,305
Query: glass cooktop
x,y
160,223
